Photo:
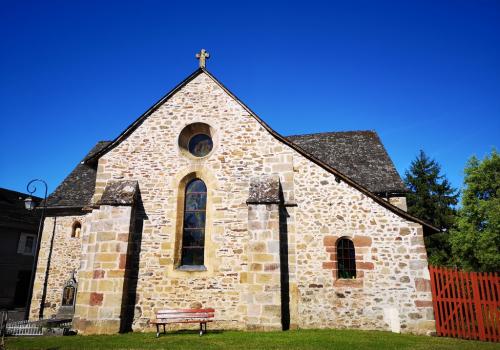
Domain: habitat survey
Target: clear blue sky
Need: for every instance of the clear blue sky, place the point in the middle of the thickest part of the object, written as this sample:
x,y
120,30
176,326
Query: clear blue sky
x,y
423,74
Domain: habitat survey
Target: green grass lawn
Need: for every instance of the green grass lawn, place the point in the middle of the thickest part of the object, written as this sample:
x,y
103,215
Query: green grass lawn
x,y
301,339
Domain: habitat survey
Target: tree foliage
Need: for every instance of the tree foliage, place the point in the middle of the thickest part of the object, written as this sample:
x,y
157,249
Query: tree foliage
x,y
432,198
476,239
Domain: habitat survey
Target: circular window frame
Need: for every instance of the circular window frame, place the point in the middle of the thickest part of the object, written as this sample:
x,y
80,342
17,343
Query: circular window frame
x,y
191,130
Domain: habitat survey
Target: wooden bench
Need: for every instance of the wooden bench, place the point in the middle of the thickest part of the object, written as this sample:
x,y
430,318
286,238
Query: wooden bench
x,y
201,316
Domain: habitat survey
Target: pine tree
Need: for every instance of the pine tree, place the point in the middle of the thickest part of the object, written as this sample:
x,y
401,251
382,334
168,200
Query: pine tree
x,y
476,239
432,198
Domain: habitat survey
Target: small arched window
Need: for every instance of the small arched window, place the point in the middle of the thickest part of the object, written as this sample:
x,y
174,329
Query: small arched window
x,y
193,229
346,259
76,229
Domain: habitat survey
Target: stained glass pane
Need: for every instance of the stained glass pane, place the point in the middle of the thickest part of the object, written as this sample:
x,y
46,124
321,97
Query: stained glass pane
x,y
200,145
193,238
196,186
187,257
196,201
192,256
194,219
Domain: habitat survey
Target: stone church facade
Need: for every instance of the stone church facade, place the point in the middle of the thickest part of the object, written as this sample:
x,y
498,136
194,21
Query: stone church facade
x,y
199,201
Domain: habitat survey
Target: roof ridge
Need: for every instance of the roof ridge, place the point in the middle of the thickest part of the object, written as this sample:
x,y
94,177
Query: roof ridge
x,y
336,132
4,189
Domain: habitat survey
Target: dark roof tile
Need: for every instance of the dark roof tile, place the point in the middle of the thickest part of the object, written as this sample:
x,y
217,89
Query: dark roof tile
x,y
77,188
359,155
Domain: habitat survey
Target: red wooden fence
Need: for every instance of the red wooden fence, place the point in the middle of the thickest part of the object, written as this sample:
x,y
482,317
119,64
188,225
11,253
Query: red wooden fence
x,y
466,304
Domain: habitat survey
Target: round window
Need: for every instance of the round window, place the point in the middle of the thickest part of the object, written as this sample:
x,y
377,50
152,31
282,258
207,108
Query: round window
x,y
200,145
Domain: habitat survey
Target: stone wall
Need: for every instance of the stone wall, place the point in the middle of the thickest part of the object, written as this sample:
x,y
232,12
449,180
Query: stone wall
x,y
65,258
391,292
399,202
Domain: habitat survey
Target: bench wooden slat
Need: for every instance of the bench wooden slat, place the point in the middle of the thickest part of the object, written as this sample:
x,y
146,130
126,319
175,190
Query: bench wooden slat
x,y
159,318
181,315
184,313
180,321
174,311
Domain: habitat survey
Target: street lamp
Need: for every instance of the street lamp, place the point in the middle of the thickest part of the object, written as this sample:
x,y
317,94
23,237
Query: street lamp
x,y
30,204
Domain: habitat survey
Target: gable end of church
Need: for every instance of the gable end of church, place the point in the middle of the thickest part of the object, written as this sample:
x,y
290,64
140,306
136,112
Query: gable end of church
x,y
199,201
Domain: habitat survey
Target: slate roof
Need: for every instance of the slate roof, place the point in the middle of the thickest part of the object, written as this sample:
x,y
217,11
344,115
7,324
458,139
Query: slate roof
x,y
358,154
77,188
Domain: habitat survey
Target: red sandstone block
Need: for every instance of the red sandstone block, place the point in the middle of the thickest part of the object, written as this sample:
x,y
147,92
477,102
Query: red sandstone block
x,y
423,303
329,241
123,261
96,299
98,274
422,285
364,265
122,237
271,267
328,265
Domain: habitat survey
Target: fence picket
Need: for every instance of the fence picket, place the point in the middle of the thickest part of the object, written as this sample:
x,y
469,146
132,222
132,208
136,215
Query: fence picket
x,y
464,286
443,307
466,304
433,274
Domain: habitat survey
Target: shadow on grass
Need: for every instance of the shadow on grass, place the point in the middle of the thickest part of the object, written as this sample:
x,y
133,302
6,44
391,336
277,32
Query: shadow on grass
x,y
187,331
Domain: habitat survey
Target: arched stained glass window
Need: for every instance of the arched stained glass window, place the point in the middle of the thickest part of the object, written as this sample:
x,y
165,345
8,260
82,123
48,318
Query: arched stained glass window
x,y
193,230
346,259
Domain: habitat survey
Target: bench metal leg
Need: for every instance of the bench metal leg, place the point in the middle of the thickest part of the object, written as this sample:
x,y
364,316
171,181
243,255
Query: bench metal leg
x,y
201,329
157,330
164,331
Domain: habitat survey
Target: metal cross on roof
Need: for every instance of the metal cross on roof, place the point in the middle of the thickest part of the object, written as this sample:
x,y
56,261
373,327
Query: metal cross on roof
x,y
202,56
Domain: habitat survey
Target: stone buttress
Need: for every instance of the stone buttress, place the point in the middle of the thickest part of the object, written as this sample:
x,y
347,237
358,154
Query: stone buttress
x,y
100,298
